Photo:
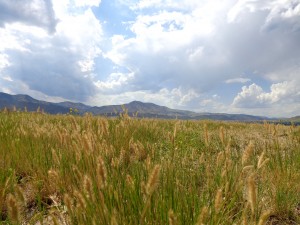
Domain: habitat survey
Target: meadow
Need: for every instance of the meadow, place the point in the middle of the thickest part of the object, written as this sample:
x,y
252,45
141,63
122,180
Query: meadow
x,y
69,169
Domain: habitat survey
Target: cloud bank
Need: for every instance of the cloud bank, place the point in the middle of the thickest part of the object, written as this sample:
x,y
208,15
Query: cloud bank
x,y
221,56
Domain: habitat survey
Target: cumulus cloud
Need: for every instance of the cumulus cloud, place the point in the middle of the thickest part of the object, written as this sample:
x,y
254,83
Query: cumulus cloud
x,y
250,97
168,49
60,65
116,83
254,96
204,44
32,12
173,98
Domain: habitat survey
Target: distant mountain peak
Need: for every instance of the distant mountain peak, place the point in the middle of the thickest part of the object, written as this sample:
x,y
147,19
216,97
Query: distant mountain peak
x,y
144,109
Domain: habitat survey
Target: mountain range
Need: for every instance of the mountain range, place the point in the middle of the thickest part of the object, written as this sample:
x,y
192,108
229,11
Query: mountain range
x,y
136,108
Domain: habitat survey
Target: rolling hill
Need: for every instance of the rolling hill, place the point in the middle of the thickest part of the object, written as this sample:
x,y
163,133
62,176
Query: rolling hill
x,y
137,108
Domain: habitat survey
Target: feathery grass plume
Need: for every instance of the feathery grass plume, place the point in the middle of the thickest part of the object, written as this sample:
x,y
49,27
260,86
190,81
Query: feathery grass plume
x,y
14,109
218,200
20,195
68,202
206,138
13,208
80,201
203,216
245,214
88,144
262,161
228,150
105,127
104,210
113,220
101,173
143,189
140,151
53,177
148,163
246,168
247,153
264,217
220,158
88,187
115,163
172,218
153,180
78,175
227,188
222,135
252,192
55,157
130,181
124,158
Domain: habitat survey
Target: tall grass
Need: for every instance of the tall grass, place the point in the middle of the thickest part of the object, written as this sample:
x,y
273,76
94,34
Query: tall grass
x,y
68,169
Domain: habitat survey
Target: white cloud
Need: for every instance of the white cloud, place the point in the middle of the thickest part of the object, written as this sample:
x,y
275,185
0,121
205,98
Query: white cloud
x,y
173,98
4,62
146,4
115,83
278,11
84,38
31,12
80,3
237,80
173,52
199,46
249,97
195,54
254,96
59,64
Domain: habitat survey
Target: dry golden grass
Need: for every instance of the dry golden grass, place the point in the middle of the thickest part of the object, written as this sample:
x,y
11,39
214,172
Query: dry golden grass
x,y
67,169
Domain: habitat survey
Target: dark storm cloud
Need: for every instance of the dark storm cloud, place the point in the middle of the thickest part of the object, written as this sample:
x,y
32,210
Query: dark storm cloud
x,y
31,12
52,71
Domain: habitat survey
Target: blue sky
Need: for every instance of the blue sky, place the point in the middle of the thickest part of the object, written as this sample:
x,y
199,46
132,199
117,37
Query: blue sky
x,y
231,56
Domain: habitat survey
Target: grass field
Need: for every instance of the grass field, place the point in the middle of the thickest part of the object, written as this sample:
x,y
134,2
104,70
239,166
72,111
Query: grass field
x,y
69,169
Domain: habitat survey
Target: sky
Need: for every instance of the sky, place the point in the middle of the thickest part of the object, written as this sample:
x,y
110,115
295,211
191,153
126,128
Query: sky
x,y
225,56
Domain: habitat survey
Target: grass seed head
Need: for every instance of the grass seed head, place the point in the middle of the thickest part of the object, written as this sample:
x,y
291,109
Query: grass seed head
x,y
81,203
247,153
88,187
101,173
13,208
172,217
153,180
130,181
262,161
252,192
218,200
68,202
203,216
264,217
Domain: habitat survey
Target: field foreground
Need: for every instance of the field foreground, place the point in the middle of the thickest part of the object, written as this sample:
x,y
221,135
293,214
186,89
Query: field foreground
x,y
69,169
